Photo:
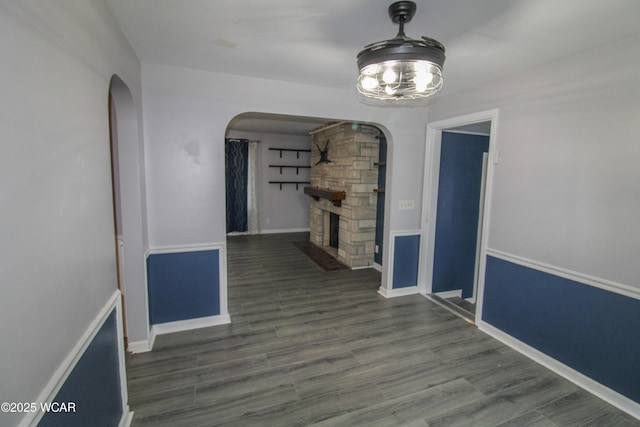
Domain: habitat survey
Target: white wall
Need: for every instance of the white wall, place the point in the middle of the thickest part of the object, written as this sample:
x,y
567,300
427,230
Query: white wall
x,y
187,112
567,187
57,229
286,209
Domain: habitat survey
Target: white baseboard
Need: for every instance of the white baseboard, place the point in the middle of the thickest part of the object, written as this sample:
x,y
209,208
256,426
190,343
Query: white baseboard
x,y
142,346
377,267
400,292
178,326
450,294
364,267
186,325
603,392
285,230
127,417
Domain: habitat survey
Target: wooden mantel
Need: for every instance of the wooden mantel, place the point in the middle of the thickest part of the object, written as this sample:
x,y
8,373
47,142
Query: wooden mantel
x,y
334,196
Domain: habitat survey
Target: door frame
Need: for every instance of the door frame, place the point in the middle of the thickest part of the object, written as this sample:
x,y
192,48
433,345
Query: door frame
x,y
430,198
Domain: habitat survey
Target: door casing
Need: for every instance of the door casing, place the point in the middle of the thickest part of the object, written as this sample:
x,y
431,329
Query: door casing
x,y
430,198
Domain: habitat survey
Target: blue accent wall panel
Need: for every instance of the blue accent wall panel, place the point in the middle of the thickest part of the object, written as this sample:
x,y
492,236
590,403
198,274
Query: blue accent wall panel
x,y
94,384
405,261
184,285
593,331
458,204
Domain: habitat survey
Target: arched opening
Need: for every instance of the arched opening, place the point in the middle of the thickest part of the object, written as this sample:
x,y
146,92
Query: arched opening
x,y
129,217
295,154
117,206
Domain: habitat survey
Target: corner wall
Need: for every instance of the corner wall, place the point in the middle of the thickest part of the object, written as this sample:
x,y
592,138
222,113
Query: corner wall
x,y
564,200
58,240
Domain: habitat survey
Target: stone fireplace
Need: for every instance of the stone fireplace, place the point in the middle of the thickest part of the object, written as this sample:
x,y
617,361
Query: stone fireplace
x,y
345,228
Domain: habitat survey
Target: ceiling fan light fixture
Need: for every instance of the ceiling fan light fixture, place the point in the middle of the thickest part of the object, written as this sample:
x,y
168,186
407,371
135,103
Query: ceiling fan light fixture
x,y
402,70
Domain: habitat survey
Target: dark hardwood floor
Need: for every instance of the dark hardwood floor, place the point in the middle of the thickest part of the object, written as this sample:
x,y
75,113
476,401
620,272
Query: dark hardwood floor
x,y
311,347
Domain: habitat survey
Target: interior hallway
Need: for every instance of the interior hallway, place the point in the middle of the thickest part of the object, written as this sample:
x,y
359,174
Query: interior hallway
x,y
308,346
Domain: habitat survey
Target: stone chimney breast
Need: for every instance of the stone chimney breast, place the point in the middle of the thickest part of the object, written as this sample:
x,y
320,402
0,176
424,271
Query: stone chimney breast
x,y
351,151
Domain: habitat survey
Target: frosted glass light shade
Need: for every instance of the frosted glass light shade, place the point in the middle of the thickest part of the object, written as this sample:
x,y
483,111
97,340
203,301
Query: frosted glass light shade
x,y
400,80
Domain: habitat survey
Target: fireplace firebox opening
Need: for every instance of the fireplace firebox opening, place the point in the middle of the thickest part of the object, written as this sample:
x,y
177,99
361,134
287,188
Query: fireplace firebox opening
x,y
334,230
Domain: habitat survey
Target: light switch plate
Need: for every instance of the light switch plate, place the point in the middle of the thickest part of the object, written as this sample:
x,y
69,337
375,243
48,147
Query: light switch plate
x,y
406,205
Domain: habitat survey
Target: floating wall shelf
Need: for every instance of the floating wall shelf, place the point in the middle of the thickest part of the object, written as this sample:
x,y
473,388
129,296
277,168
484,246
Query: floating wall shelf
x,y
296,150
296,167
297,183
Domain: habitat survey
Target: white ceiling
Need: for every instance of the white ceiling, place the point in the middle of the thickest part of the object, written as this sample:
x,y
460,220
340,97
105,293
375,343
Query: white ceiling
x,y
316,42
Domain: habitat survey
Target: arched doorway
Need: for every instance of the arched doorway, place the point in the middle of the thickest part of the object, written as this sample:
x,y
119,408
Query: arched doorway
x,y
129,215
284,147
287,152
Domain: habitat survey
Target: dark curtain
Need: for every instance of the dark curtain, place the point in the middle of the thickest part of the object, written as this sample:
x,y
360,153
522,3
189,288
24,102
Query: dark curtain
x,y
236,173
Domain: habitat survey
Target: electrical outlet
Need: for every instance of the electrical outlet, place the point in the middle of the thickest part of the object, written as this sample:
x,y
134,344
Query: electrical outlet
x,y
377,249
406,205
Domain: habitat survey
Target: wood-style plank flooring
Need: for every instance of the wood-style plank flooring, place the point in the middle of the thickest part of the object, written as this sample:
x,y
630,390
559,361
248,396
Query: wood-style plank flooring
x,y
308,347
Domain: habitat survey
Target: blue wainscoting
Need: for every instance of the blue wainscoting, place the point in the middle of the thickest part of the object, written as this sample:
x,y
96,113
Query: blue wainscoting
x,y
591,330
93,385
406,255
459,188
183,285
